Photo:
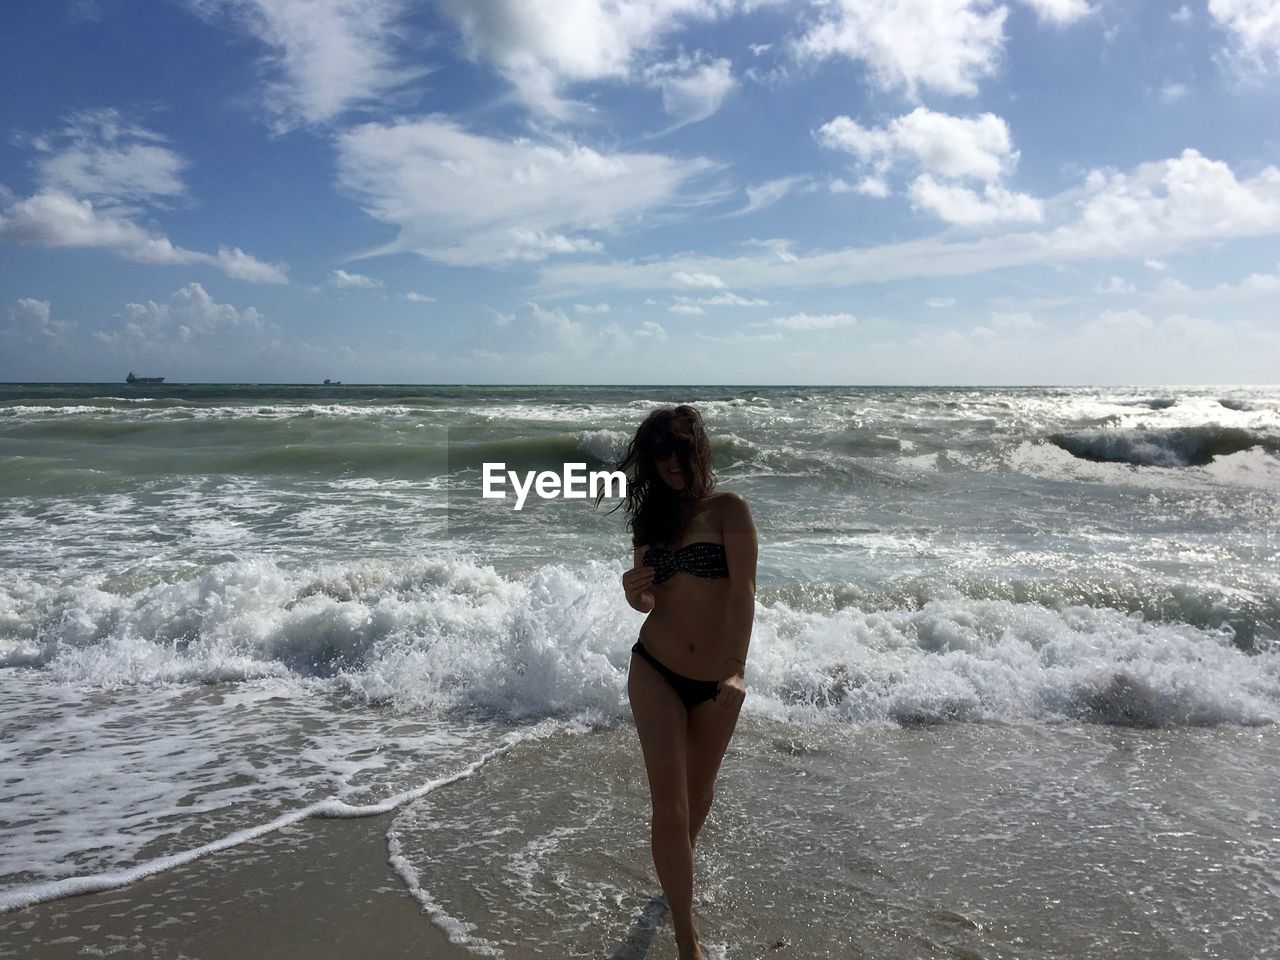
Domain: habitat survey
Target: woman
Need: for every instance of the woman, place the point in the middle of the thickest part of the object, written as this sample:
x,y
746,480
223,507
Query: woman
x,y
694,574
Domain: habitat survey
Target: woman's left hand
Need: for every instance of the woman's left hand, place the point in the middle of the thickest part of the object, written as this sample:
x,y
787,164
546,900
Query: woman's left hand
x,y
733,690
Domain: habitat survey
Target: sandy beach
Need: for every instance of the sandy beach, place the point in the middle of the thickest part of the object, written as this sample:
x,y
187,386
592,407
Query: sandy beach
x,y
322,890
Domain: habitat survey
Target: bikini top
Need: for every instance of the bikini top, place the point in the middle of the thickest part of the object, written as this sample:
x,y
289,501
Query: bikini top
x,y
701,558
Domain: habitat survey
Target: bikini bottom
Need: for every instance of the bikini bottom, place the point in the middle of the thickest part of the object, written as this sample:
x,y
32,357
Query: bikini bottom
x,y
691,692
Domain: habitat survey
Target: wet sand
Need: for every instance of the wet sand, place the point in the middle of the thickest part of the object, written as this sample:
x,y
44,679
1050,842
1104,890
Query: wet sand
x,y
320,890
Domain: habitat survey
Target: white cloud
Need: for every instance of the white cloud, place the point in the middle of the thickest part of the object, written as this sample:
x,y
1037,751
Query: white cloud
x,y
30,323
943,45
1151,263
652,329
542,48
1254,26
1181,15
56,219
960,205
708,280
941,146
940,303
693,88
356,281
1172,92
958,147
1256,286
770,192
822,321
416,297
758,48
686,309
97,174
327,56
100,154
189,314
1157,209
731,299
1061,11
1116,285
234,262
590,308
462,198
740,337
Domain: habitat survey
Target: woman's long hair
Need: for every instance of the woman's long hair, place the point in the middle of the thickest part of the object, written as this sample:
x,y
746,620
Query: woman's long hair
x,y
653,509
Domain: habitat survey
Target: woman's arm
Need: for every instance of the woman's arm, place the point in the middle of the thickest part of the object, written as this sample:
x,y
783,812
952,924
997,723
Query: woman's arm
x,y
740,548
636,583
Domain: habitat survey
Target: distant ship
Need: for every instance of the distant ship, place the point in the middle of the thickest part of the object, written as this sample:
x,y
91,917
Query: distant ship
x,y
132,379
332,383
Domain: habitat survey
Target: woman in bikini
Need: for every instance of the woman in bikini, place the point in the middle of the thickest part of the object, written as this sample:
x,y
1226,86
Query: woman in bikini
x,y
694,574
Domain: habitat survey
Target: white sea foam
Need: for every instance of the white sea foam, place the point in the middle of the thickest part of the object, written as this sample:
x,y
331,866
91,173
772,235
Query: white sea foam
x,y
448,635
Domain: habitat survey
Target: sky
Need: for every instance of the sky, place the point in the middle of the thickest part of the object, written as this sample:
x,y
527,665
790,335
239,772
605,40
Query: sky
x,y
641,191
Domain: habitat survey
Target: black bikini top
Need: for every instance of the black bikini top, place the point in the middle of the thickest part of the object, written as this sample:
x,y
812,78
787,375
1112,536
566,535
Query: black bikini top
x,y
701,558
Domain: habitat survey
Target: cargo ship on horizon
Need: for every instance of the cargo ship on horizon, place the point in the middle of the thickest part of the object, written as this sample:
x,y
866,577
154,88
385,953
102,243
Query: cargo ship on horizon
x,y
132,379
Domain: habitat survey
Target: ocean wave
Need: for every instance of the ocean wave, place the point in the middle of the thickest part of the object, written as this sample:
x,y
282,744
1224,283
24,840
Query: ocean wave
x,y
452,637
1163,447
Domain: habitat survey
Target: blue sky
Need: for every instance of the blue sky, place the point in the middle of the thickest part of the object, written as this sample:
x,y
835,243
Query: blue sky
x,y
641,191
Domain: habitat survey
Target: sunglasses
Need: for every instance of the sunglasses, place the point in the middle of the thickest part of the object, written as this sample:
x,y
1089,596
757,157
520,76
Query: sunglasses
x,y
660,448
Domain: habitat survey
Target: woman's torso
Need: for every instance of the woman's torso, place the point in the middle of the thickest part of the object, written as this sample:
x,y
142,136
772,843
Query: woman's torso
x,y
688,627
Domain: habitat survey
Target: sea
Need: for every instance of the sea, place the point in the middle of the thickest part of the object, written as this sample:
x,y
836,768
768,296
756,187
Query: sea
x,y
1012,687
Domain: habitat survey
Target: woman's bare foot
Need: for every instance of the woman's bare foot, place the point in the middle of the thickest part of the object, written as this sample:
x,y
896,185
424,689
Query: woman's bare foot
x,y
689,950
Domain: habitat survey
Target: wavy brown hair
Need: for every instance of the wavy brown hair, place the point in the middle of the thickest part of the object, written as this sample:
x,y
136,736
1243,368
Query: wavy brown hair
x,y
653,509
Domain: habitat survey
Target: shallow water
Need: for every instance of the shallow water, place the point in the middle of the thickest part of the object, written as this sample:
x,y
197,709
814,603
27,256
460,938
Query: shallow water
x,y
959,840
1025,643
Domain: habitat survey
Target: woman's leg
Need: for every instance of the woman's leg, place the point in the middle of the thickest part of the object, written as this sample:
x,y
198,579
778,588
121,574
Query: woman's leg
x,y
711,725
661,721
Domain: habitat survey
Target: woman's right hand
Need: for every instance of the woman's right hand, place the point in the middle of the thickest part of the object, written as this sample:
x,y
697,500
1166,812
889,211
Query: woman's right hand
x,y
635,584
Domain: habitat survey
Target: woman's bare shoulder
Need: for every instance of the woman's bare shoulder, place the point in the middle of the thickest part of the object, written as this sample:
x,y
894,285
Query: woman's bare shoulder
x,y
727,502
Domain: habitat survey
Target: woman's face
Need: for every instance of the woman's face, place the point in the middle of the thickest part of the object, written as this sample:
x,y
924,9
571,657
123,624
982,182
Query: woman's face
x,y
670,471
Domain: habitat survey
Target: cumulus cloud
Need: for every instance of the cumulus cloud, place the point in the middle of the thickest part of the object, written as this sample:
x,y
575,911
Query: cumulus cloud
x,y
684,308
964,206
416,297
650,329
542,48
978,147
945,151
325,56
30,323
590,308
1254,29
189,314
1157,209
462,198
1060,11
942,45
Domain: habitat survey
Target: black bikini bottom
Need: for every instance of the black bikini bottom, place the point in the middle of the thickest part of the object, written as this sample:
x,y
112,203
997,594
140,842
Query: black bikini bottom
x,y
691,692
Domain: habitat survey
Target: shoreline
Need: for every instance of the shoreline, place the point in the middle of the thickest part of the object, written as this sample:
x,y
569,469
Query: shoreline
x,y
322,889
